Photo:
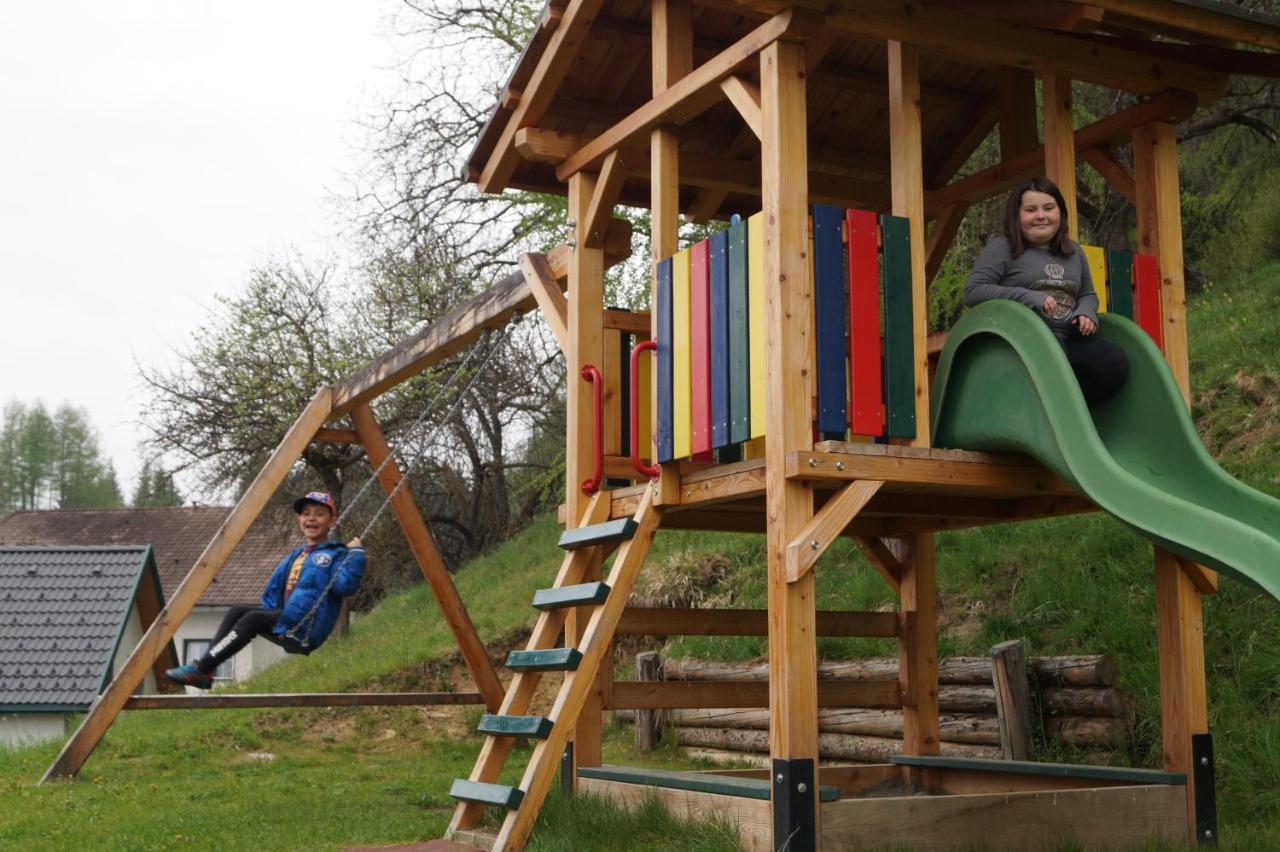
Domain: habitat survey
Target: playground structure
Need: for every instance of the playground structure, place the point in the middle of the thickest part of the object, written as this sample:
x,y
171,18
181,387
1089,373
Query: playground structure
x,y
855,117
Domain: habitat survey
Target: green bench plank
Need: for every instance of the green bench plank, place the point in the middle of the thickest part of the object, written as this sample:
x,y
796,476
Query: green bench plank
x,y
610,531
494,725
550,660
1056,770
583,594
698,782
487,794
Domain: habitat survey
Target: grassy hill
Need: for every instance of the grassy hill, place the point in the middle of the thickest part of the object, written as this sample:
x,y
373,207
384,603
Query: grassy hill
x,y
330,778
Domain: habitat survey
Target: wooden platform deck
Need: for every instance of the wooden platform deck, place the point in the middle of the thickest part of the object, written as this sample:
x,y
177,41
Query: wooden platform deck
x,y
924,490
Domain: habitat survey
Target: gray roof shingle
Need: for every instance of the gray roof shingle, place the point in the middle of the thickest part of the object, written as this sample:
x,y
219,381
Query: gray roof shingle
x,y
62,612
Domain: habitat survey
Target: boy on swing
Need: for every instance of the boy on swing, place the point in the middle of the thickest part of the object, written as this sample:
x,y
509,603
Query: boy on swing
x,y
300,602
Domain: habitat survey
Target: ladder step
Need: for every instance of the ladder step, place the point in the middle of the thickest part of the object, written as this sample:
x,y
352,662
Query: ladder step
x,y
515,726
619,530
487,794
550,660
583,594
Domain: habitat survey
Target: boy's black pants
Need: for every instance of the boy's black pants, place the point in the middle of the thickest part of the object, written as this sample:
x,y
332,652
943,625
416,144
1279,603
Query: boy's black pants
x,y
239,626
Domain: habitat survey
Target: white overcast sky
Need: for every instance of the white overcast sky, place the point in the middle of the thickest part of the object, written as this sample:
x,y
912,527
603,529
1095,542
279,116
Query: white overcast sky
x,y
153,151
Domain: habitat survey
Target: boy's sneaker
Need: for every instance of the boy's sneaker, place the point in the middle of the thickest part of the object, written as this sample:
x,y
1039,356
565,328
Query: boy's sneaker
x,y
189,675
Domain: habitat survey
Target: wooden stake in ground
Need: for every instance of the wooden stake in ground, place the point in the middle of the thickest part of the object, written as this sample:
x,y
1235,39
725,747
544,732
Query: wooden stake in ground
x,y
1013,699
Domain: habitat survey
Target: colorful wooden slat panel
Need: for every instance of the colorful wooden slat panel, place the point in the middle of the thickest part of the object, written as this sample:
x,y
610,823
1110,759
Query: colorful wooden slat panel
x,y
719,339
739,337
1120,281
700,345
1146,289
681,356
1097,260
664,445
900,384
829,328
755,320
866,392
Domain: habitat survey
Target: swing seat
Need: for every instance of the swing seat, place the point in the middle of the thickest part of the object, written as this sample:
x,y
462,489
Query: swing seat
x,y
290,646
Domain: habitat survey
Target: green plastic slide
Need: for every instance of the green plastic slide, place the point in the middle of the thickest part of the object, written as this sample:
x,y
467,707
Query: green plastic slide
x,y
1003,385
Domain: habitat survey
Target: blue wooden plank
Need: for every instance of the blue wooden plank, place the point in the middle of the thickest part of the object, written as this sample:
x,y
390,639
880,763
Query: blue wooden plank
x,y
739,336
829,297
665,439
719,339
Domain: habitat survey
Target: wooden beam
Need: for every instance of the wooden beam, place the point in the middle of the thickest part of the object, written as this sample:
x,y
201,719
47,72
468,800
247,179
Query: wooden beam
x,y
1013,699
882,559
1017,100
1196,18
827,525
608,186
461,327
1114,129
1116,173
945,227
546,290
691,95
217,701
668,621
918,646
561,51
183,599
951,153
336,436
632,322
423,547
670,695
745,99
1204,579
1059,144
908,202
953,474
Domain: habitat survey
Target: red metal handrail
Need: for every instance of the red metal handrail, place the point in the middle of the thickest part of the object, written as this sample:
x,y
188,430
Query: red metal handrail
x,y
650,471
592,485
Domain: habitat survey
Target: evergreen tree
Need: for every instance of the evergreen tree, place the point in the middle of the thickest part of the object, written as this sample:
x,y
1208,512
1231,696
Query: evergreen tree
x,y
155,488
54,460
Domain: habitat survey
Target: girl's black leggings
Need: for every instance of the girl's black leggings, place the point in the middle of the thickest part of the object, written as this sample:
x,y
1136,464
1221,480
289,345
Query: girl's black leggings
x,y
1100,366
239,626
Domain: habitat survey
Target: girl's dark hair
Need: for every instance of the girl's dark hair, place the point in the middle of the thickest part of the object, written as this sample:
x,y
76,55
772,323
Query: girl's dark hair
x,y
1060,244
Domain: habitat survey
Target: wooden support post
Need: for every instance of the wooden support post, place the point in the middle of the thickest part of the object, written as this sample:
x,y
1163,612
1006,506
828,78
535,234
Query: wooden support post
x,y
1184,703
908,200
586,346
793,664
648,728
1155,161
423,546
672,35
1013,699
1017,95
156,640
918,646
1059,144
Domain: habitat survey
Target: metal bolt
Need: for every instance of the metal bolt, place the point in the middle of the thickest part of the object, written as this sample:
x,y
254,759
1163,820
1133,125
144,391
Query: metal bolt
x,y
571,243
1204,761
778,778
1208,834
839,465
813,545
801,787
813,462
571,223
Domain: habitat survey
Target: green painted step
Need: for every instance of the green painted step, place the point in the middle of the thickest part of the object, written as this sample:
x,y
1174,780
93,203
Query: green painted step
x,y
550,660
619,530
538,727
583,594
487,794
1056,770
699,782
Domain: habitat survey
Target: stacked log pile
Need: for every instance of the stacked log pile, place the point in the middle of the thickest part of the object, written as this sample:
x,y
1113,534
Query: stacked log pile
x,y
1079,704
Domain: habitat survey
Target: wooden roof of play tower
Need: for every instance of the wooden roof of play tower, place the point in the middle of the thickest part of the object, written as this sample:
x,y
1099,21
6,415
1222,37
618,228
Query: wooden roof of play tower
x,y
586,75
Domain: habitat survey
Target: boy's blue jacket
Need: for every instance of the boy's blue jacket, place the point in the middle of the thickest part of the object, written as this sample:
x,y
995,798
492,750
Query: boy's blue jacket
x,y
319,566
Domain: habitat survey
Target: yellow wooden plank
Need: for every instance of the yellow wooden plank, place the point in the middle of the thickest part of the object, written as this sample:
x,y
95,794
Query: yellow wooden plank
x,y
755,321
681,357
1097,260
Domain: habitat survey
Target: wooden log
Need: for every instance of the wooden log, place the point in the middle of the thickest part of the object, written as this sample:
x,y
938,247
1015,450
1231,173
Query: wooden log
x,y
1083,701
1096,732
648,668
957,727
1097,670
830,745
724,757
1013,699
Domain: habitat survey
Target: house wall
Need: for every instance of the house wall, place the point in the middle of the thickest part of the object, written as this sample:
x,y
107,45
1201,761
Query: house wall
x,y
19,729
128,641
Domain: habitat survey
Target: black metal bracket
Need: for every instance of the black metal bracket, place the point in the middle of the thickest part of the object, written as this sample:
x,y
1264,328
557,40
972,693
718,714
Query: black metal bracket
x,y
1206,798
566,771
794,806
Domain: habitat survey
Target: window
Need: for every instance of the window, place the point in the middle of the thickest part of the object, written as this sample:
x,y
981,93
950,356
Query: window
x,y
194,649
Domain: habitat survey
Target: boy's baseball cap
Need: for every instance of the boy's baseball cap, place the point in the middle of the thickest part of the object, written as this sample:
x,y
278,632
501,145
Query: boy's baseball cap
x,y
319,497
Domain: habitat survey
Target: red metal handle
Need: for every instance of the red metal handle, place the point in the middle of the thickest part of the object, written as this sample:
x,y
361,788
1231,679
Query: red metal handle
x,y
592,485
650,471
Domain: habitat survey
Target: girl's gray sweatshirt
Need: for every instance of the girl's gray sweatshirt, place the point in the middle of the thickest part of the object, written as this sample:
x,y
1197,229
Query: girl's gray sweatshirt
x,y
1034,275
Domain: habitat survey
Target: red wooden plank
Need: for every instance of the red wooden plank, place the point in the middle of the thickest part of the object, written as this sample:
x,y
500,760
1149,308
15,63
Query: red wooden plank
x,y
866,392
1146,296
700,344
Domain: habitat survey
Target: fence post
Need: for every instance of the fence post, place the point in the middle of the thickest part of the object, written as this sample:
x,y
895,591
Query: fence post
x,y
648,668
1013,699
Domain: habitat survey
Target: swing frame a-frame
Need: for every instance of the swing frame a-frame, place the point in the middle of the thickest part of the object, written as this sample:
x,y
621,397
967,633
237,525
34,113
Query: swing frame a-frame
x,y
321,421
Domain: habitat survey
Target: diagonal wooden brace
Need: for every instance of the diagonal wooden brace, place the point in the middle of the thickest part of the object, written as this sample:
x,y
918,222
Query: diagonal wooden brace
x,y
546,290
883,560
827,525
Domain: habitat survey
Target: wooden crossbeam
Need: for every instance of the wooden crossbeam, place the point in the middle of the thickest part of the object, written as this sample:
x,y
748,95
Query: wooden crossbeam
x,y
546,290
1200,18
218,701
336,436
827,525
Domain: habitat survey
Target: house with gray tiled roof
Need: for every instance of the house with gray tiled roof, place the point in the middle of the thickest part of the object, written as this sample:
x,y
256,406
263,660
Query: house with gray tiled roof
x,y
69,617
177,537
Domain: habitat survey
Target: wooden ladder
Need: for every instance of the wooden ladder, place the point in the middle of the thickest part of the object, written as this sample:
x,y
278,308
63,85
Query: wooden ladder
x,y
581,665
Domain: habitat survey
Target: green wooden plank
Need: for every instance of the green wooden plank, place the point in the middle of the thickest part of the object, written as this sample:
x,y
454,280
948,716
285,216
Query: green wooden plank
x,y
699,782
550,660
583,594
610,531
1119,282
538,727
739,337
1056,770
487,794
899,338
